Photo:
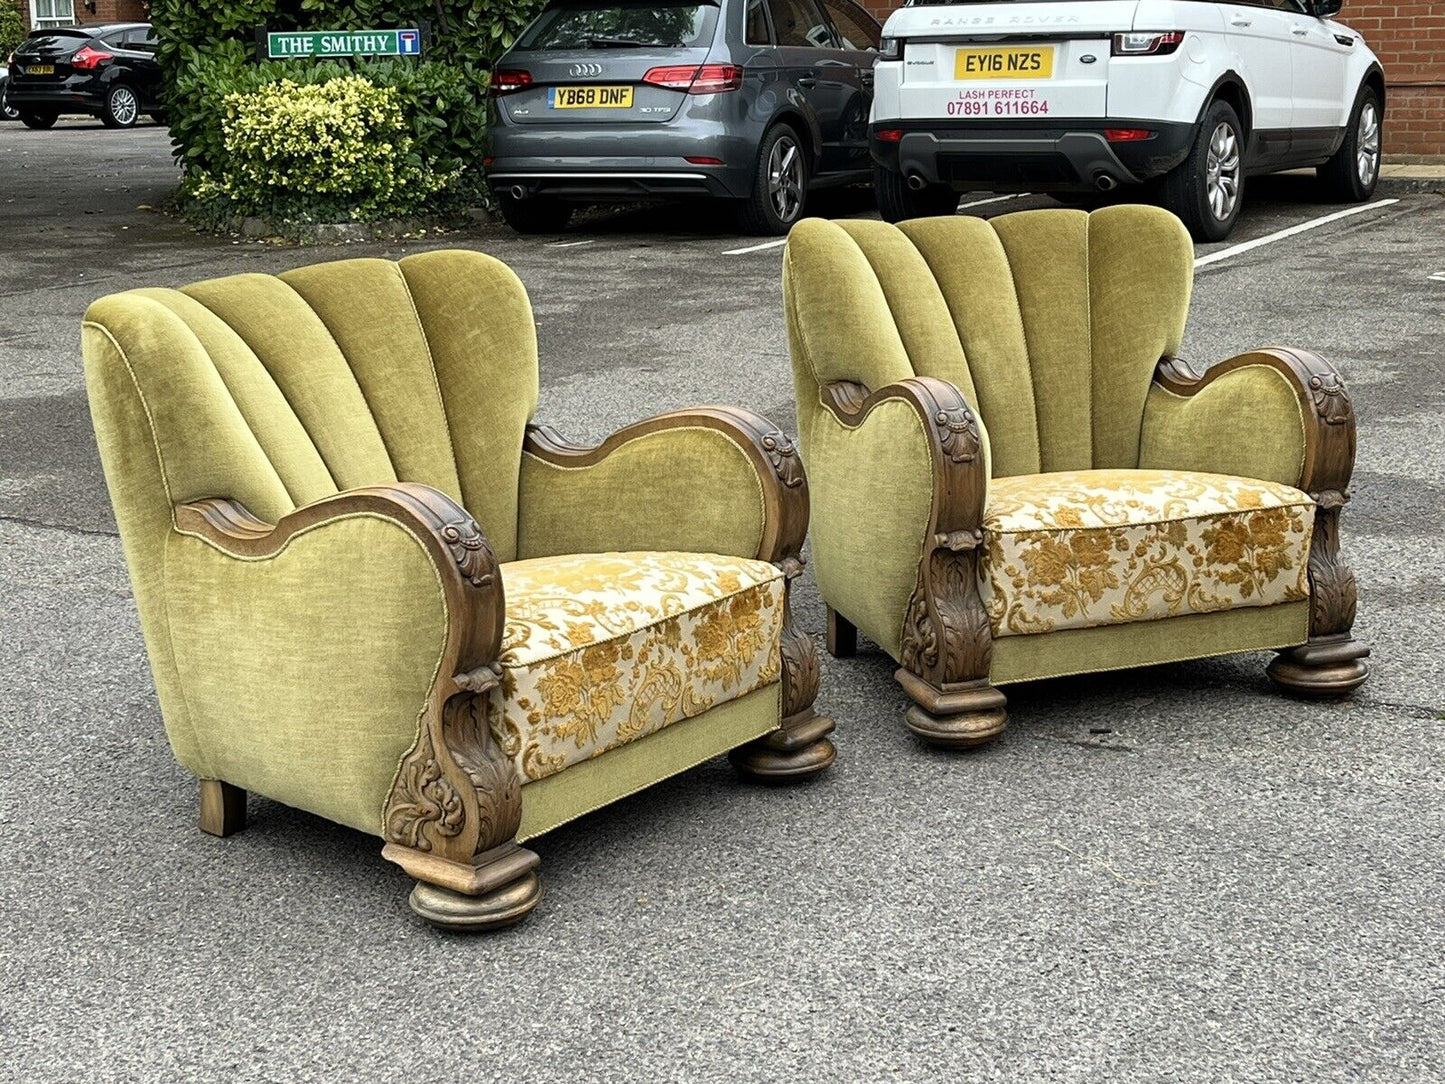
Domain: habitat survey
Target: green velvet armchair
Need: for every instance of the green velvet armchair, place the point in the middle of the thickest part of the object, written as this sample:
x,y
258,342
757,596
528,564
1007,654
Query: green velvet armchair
x,y
371,589
1014,476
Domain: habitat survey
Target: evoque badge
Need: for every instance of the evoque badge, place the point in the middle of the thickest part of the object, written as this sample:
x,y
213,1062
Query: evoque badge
x,y
585,71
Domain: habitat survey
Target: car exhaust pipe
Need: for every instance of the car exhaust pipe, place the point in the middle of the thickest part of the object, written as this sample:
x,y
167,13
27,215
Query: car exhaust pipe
x,y
1105,183
518,191
916,182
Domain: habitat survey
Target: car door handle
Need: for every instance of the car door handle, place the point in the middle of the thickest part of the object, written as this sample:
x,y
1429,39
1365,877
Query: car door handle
x,y
1299,31
807,82
1241,22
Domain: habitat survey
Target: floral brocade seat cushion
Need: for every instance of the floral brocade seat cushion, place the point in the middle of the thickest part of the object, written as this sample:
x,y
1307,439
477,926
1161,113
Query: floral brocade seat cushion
x,y
604,648
1076,549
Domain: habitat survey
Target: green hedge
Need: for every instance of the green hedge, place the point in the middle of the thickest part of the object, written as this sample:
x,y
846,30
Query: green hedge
x,y
208,54
12,28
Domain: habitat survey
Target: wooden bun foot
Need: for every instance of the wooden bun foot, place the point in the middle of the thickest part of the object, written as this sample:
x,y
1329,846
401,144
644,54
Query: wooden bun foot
x,y
1326,666
956,718
505,906
798,751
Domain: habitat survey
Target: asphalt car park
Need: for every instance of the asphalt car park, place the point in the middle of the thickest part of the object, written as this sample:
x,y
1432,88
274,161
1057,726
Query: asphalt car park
x,y
1172,873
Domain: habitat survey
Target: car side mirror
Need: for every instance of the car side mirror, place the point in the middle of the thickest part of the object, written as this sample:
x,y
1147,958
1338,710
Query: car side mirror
x,y
1325,8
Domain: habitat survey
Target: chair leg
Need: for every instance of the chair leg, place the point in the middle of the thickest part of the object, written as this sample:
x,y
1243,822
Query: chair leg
x,y
499,889
800,748
842,635
1324,666
223,808
1331,663
968,714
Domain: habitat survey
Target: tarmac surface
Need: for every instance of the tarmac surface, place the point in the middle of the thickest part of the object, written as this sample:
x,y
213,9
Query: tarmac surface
x,y
1168,874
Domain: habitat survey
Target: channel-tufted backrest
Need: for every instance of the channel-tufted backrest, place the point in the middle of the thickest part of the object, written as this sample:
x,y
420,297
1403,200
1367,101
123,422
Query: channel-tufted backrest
x,y
1049,322
279,390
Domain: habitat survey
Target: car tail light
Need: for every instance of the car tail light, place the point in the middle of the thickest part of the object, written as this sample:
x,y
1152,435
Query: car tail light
x,y
696,79
1147,44
508,81
890,48
88,59
1126,135
889,135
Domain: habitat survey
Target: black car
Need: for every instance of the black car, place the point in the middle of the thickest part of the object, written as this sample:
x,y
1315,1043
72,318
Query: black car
x,y
7,111
756,102
108,72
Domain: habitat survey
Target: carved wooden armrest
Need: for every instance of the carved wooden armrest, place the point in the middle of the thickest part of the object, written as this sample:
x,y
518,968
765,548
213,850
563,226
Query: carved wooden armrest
x,y
464,561
947,644
453,813
960,472
1329,417
1329,459
771,452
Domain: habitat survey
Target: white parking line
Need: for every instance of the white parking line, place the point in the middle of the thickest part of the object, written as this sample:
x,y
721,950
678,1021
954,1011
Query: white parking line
x,y
1280,235
779,243
992,199
567,244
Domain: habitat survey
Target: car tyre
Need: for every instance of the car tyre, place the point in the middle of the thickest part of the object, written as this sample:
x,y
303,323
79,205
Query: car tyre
x,y
1206,190
897,202
1351,175
780,184
537,214
33,119
122,107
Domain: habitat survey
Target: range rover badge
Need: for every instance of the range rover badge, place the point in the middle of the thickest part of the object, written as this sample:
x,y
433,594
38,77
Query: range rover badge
x,y
1087,58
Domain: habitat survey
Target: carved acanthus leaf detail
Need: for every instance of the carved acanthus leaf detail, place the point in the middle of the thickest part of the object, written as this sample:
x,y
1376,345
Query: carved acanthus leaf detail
x,y
958,430
1333,592
498,786
423,803
783,455
947,637
470,551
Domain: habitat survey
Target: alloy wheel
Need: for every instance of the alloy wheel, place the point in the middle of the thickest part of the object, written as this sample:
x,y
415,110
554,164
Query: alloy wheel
x,y
1222,172
785,179
123,106
1367,145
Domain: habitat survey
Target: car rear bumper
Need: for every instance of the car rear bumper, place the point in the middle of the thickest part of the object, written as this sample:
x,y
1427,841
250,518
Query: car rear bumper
x,y
623,182
62,97
1054,155
621,162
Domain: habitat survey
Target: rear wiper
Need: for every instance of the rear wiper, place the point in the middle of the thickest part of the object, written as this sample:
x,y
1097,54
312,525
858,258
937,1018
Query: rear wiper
x,y
614,43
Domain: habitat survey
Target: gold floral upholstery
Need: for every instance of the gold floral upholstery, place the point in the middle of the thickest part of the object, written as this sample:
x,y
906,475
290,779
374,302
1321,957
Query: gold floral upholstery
x,y
1075,549
602,649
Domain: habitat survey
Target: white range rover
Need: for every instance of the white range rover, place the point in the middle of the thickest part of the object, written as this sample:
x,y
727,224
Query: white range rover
x,y
1178,99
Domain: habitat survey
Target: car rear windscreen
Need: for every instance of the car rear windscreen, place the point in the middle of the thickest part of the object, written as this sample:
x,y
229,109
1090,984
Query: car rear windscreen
x,y
607,24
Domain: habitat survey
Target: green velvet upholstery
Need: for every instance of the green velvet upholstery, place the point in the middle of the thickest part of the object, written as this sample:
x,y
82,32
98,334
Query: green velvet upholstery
x,y
1051,324
303,676
643,496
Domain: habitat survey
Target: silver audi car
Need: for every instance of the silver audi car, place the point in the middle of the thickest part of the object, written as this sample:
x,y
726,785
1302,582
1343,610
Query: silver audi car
x,y
755,102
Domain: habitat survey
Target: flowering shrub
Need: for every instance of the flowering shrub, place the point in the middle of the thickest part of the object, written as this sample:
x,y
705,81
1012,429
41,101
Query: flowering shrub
x,y
337,151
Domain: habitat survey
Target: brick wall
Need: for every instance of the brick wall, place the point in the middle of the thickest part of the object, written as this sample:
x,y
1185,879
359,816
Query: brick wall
x,y
100,11
1409,38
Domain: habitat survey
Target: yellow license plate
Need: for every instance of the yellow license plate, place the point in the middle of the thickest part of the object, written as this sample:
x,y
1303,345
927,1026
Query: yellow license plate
x,y
590,98
1007,63
40,69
